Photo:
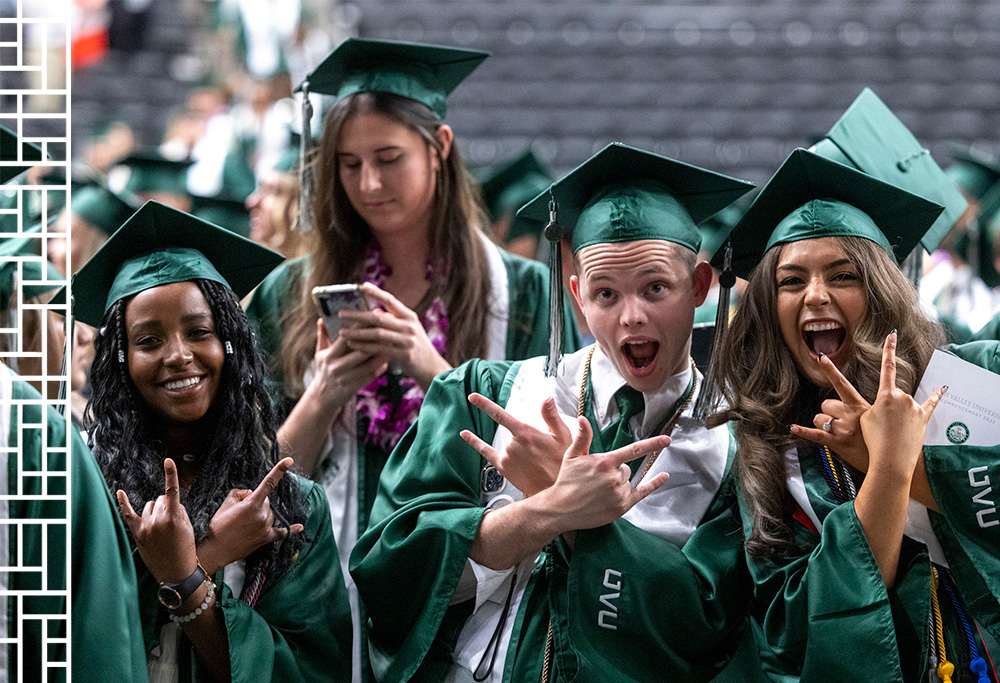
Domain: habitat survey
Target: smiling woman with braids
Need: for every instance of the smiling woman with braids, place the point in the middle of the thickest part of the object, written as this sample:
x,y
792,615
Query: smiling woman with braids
x,y
238,564
867,562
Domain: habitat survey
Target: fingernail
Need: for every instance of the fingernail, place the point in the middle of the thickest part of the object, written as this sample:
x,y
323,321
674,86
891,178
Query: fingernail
x,y
820,354
893,332
790,428
944,390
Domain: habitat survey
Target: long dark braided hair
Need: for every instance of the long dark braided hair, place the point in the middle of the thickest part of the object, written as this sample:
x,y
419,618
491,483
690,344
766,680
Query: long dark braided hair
x,y
242,446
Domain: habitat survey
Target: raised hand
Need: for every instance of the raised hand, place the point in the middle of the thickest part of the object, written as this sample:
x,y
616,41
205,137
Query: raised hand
x,y
532,459
844,418
395,333
163,533
244,522
592,490
894,427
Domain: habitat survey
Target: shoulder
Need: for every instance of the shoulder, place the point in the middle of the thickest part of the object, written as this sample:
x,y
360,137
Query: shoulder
x,y
521,269
984,353
475,375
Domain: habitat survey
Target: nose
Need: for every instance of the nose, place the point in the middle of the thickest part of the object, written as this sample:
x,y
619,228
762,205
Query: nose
x,y
370,178
817,293
178,353
633,312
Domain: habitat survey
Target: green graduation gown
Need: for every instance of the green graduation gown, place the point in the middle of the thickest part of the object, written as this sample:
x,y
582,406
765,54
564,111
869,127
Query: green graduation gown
x,y
350,468
105,623
626,604
299,630
827,615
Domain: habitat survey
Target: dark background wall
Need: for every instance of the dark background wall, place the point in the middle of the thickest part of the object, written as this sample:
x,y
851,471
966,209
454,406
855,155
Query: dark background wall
x,y
730,85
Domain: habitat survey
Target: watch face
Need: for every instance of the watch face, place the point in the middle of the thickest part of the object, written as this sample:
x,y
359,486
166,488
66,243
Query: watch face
x,y
169,597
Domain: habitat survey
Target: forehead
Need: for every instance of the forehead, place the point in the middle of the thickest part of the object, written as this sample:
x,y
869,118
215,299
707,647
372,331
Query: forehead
x,y
367,131
166,302
621,260
813,253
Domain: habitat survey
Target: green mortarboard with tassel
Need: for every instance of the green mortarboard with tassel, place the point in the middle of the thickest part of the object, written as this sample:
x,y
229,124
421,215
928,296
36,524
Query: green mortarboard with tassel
x,y
870,138
102,208
510,185
973,172
160,245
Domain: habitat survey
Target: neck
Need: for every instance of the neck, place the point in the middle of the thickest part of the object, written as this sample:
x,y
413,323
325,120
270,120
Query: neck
x,y
406,255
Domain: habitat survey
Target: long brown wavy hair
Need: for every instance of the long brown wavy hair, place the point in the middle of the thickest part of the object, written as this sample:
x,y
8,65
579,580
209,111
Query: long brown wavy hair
x,y
337,246
765,391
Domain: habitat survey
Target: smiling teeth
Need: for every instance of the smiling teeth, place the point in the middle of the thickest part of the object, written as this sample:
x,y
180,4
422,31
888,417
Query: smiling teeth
x,y
181,383
821,327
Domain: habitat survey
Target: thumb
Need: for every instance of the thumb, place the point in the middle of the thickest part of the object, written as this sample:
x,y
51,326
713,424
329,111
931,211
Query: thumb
x,y
581,442
322,340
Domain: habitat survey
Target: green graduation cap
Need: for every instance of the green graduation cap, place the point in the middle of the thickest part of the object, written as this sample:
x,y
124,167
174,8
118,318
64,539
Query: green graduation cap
x,y
810,197
973,171
160,245
38,276
624,194
102,208
425,73
510,185
870,138
715,229
13,164
153,172
226,212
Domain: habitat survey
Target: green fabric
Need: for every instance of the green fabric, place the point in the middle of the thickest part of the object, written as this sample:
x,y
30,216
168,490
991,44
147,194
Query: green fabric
x,y
511,184
35,270
160,245
105,626
963,480
834,594
630,403
623,194
227,212
425,73
989,331
153,172
428,512
786,211
870,138
973,172
299,629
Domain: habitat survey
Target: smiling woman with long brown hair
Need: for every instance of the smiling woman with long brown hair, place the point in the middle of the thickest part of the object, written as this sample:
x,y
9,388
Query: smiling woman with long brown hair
x,y
238,577
853,528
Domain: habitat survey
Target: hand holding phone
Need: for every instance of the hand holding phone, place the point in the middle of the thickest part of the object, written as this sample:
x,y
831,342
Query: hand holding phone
x,y
331,299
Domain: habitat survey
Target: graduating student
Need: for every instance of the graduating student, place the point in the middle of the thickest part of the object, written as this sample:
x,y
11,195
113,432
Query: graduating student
x,y
853,579
237,566
396,210
508,186
578,559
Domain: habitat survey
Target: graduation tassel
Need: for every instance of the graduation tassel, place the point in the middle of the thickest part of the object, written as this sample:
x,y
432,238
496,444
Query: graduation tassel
x,y
708,399
554,234
305,222
913,266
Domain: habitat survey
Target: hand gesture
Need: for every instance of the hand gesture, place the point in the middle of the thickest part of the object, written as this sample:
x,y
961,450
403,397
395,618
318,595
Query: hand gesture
x,y
843,436
395,333
244,522
592,490
894,427
163,534
340,371
531,461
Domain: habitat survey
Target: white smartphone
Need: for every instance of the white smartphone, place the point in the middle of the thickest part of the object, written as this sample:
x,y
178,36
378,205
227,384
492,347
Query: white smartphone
x,y
331,299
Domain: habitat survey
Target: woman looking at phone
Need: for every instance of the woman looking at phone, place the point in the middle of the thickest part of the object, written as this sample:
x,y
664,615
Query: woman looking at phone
x,y
862,543
395,210
237,571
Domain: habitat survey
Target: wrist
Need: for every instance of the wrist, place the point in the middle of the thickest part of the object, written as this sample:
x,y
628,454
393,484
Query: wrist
x,y
173,594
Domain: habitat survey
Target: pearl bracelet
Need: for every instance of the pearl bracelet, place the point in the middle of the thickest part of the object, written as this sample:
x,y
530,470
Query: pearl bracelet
x,y
201,608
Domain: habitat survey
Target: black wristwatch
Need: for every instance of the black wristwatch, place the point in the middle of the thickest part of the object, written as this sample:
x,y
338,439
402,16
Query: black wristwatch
x,y
173,595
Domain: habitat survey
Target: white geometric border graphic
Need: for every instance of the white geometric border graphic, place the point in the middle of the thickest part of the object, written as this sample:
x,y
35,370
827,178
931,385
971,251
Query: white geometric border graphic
x,y
34,473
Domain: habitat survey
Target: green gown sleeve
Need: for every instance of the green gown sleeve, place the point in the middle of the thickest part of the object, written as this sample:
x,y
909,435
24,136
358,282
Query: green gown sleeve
x,y
825,615
990,331
107,644
641,605
300,628
528,325
424,520
965,481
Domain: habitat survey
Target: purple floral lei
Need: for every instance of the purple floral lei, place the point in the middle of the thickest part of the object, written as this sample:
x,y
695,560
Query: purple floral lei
x,y
388,422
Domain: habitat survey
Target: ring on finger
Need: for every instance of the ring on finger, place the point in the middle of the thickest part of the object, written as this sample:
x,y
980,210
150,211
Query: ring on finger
x,y
828,425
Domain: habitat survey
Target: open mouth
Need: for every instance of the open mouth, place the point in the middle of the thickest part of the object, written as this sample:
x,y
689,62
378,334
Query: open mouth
x,y
182,383
825,337
640,354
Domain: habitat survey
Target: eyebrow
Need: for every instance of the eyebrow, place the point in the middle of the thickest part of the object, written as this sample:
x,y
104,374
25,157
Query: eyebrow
x,y
153,324
387,148
796,267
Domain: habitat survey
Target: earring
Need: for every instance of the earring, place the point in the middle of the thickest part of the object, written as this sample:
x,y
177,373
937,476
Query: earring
x,y
121,356
229,348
